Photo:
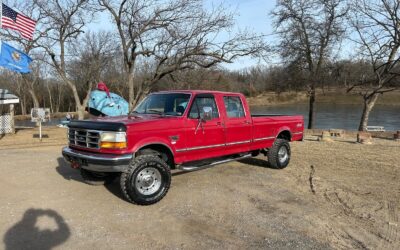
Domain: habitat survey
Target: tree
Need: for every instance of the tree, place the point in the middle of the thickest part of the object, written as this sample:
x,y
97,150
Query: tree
x,y
162,37
63,23
94,53
309,32
377,25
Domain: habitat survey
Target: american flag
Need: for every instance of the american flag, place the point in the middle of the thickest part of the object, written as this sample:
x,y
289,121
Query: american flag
x,y
16,21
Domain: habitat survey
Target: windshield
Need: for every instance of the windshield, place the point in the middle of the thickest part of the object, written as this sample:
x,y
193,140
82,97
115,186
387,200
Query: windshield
x,y
164,104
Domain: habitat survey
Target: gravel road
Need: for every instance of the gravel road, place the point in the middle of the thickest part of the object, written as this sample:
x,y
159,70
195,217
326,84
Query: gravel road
x,y
349,198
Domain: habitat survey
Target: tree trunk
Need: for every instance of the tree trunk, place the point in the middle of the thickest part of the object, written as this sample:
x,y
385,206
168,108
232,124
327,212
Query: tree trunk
x,y
50,98
369,103
311,112
34,98
22,105
131,92
80,109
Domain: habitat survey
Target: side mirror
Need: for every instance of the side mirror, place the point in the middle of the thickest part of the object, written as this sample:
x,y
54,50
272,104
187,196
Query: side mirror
x,y
207,113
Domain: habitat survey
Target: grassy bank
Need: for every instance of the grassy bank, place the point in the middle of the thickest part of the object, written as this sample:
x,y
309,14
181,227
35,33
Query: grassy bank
x,y
333,96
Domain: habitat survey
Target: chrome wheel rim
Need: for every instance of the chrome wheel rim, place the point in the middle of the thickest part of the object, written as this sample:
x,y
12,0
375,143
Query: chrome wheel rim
x,y
148,181
283,154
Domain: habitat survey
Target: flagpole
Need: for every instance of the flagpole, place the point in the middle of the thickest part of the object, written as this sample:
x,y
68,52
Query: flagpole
x,y
1,13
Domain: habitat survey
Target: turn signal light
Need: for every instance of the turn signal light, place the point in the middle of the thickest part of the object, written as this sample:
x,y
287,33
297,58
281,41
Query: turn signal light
x,y
113,145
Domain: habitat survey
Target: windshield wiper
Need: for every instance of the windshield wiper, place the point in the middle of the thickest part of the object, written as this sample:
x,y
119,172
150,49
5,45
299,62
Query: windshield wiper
x,y
154,111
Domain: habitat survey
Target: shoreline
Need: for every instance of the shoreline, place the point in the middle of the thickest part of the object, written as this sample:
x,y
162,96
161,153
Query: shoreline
x,y
332,97
26,135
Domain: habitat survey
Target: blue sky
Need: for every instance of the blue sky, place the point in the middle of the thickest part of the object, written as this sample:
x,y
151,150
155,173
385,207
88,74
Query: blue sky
x,y
252,15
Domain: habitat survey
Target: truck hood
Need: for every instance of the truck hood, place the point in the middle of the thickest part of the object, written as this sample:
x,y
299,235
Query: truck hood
x,y
132,119
117,123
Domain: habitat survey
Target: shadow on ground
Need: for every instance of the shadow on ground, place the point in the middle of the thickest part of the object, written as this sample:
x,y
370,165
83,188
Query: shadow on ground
x,y
29,234
256,162
69,174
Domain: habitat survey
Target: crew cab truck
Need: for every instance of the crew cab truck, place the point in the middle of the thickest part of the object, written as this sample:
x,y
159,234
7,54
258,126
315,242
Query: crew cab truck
x,y
186,130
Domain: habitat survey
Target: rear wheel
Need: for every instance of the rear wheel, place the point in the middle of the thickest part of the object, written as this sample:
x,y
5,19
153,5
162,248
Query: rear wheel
x,y
279,154
97,178
146,181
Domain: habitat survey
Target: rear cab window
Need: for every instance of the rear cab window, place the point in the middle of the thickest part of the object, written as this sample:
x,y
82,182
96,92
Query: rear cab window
x,y
234,107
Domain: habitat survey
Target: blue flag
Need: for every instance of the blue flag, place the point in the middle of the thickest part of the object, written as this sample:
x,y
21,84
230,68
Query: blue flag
x,y
14,59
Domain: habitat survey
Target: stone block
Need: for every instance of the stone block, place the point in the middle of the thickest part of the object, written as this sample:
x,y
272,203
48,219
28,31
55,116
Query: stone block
x,y
326,136
339,133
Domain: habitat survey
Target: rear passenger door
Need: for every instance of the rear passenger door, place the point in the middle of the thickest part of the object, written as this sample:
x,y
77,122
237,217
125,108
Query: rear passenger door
x,y
238,126
205,139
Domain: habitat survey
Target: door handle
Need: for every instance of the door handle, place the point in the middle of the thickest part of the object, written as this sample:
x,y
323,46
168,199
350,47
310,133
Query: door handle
x,y
246,122
219,123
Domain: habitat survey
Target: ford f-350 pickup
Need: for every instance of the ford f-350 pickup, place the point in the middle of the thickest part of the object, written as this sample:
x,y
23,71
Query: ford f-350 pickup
x,y
186,130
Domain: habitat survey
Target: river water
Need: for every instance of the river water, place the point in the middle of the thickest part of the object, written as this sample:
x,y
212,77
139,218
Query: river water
x,y
340,116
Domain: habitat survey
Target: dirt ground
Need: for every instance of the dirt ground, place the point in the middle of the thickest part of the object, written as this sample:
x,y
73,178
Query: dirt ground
x,y
336,195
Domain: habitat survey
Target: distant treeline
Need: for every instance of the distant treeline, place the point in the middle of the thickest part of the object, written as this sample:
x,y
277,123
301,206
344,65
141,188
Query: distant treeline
x,y
252,81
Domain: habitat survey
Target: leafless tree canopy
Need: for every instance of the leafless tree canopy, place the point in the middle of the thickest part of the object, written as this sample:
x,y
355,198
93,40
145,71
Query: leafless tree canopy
x,y
309,31
377,25
162,37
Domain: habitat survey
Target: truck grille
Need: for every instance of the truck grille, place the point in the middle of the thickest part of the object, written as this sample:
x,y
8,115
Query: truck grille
x,y
84,138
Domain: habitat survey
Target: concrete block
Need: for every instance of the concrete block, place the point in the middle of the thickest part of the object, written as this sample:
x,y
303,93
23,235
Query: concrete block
x,y
326,136
339,133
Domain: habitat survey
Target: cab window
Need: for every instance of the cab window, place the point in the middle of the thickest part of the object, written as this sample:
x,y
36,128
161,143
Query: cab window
x,y
199,103
234,107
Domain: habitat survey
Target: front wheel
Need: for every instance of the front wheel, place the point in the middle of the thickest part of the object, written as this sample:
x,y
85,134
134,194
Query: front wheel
x,y
279,154
146,181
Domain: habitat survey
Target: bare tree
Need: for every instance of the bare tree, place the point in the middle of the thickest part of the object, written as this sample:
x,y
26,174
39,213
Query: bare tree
x,y
162,37
95,52
309,32
377,24
64,22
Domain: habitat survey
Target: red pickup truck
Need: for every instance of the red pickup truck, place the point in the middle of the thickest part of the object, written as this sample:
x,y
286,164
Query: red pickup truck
x,y
186,130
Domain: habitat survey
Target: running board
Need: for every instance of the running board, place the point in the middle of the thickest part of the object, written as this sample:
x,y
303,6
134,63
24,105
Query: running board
x,y
196,168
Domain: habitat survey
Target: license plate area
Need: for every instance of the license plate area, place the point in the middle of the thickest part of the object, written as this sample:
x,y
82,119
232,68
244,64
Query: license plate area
x,y
78,161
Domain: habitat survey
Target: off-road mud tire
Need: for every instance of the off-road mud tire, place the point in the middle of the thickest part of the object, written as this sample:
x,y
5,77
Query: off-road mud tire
x,y
273,154
129,178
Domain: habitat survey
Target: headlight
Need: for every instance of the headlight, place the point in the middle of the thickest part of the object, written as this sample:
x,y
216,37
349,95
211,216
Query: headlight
x,y
113,140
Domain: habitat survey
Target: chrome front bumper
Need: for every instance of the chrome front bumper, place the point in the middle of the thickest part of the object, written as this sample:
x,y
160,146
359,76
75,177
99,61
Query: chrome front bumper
x,y
97,162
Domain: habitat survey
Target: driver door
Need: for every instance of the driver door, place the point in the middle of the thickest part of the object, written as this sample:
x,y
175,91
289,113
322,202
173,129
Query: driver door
x,y
204,138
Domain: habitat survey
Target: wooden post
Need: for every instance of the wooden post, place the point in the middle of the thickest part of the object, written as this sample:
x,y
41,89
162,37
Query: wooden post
x,y
12,118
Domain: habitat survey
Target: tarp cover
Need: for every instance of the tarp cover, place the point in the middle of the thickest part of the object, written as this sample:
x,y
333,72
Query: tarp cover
x,y
102,104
